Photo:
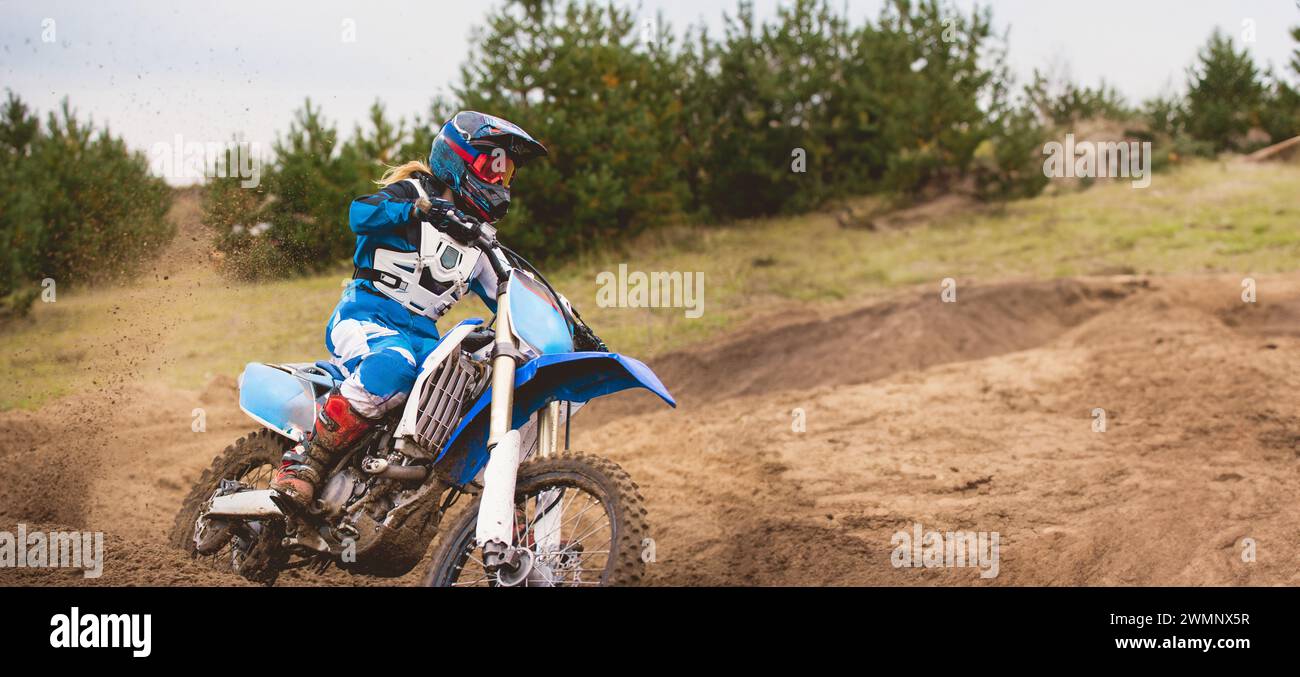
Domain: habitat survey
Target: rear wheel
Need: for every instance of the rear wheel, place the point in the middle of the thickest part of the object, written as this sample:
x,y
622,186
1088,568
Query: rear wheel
x,y
251,550
580,517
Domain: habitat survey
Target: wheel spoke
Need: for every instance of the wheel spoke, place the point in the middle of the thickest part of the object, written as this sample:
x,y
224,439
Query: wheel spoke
x,y
585,535
571,509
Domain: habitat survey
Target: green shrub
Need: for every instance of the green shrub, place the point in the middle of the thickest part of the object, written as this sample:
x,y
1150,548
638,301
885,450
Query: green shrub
x,y
1295,53
1164,115
20,219
296,220
1224,93
604,101
1279,111
75,205
758,113
1010,164
1068,103
900,104
945,105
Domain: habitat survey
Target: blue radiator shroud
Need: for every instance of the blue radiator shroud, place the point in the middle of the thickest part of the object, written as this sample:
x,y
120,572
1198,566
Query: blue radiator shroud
x,y
566,377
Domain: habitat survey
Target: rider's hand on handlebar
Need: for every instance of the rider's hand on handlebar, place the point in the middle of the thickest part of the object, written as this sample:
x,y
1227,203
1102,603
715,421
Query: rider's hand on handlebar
x,y
461,226
448,219
586,340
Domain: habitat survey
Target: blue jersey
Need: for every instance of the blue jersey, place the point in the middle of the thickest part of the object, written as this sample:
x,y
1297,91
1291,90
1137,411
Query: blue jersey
x,y
389,219
373,338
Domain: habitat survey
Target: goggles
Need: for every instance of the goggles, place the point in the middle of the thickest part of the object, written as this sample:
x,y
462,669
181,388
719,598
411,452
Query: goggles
x,y
493,165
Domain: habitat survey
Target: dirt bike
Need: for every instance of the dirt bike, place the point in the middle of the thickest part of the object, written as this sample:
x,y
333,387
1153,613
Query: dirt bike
x,y
484,419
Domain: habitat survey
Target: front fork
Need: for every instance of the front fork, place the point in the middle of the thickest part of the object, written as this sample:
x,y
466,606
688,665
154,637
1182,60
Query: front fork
x,y
495,530
496,515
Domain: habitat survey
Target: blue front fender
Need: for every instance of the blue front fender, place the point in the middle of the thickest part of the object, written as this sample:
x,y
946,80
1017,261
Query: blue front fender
x,y
567,377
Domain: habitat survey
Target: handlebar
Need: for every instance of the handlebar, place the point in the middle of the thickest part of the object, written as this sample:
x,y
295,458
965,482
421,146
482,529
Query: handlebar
x,y
481,236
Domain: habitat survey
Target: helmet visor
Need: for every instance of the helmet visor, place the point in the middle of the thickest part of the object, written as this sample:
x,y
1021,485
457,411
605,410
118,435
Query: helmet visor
x,y
494,166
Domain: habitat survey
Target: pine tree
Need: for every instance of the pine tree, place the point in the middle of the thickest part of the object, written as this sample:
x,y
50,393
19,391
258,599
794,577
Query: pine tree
x,y
1224,94
602,98
75,204
1295,53
19,212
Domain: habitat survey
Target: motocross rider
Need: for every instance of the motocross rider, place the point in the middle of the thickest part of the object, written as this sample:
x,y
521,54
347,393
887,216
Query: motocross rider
x,y
384,324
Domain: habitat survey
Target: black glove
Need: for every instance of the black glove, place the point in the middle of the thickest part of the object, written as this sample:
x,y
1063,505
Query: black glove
x,y
445,217
585,340
462,227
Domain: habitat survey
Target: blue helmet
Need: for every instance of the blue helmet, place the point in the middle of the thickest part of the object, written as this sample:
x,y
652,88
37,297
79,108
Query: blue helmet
x,y
476,155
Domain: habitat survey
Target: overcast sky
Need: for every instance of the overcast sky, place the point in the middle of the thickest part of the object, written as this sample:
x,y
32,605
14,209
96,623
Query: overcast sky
x,y
207,70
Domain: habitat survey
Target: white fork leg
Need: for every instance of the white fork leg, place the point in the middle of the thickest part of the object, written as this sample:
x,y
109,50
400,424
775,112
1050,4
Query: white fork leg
x,y
496,512
496,515
546,530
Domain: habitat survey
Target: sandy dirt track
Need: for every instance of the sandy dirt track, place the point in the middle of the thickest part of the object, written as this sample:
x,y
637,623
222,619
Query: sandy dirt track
x,y
967,416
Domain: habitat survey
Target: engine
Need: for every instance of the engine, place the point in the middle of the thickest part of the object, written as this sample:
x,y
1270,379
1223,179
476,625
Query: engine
x,y
382,507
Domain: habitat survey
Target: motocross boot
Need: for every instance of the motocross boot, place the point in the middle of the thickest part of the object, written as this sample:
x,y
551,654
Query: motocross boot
x,y
338,427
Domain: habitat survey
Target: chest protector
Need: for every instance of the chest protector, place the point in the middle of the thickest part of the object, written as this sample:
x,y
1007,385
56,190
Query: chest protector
x,y
430,279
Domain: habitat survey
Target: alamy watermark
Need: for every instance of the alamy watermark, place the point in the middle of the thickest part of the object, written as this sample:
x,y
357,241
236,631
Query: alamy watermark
x,y
639,289
54,549
75,630
931,549
194,160
1098,160
1249,290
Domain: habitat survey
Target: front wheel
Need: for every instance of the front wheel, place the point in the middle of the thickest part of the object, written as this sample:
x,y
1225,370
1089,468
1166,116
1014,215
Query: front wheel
x,y
581,517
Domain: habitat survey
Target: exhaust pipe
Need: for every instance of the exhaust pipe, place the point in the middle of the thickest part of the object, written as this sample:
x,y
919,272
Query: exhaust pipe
x,y
405,473
247,504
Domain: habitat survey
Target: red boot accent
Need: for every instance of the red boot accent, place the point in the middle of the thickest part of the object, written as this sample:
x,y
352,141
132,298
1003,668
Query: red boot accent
x,y
338,424
338,427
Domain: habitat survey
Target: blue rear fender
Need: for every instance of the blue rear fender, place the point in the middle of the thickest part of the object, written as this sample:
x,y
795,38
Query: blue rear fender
x,y
570,377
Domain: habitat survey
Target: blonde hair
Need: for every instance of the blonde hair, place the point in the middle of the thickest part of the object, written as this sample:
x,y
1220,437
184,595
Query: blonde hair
x,y
403,172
